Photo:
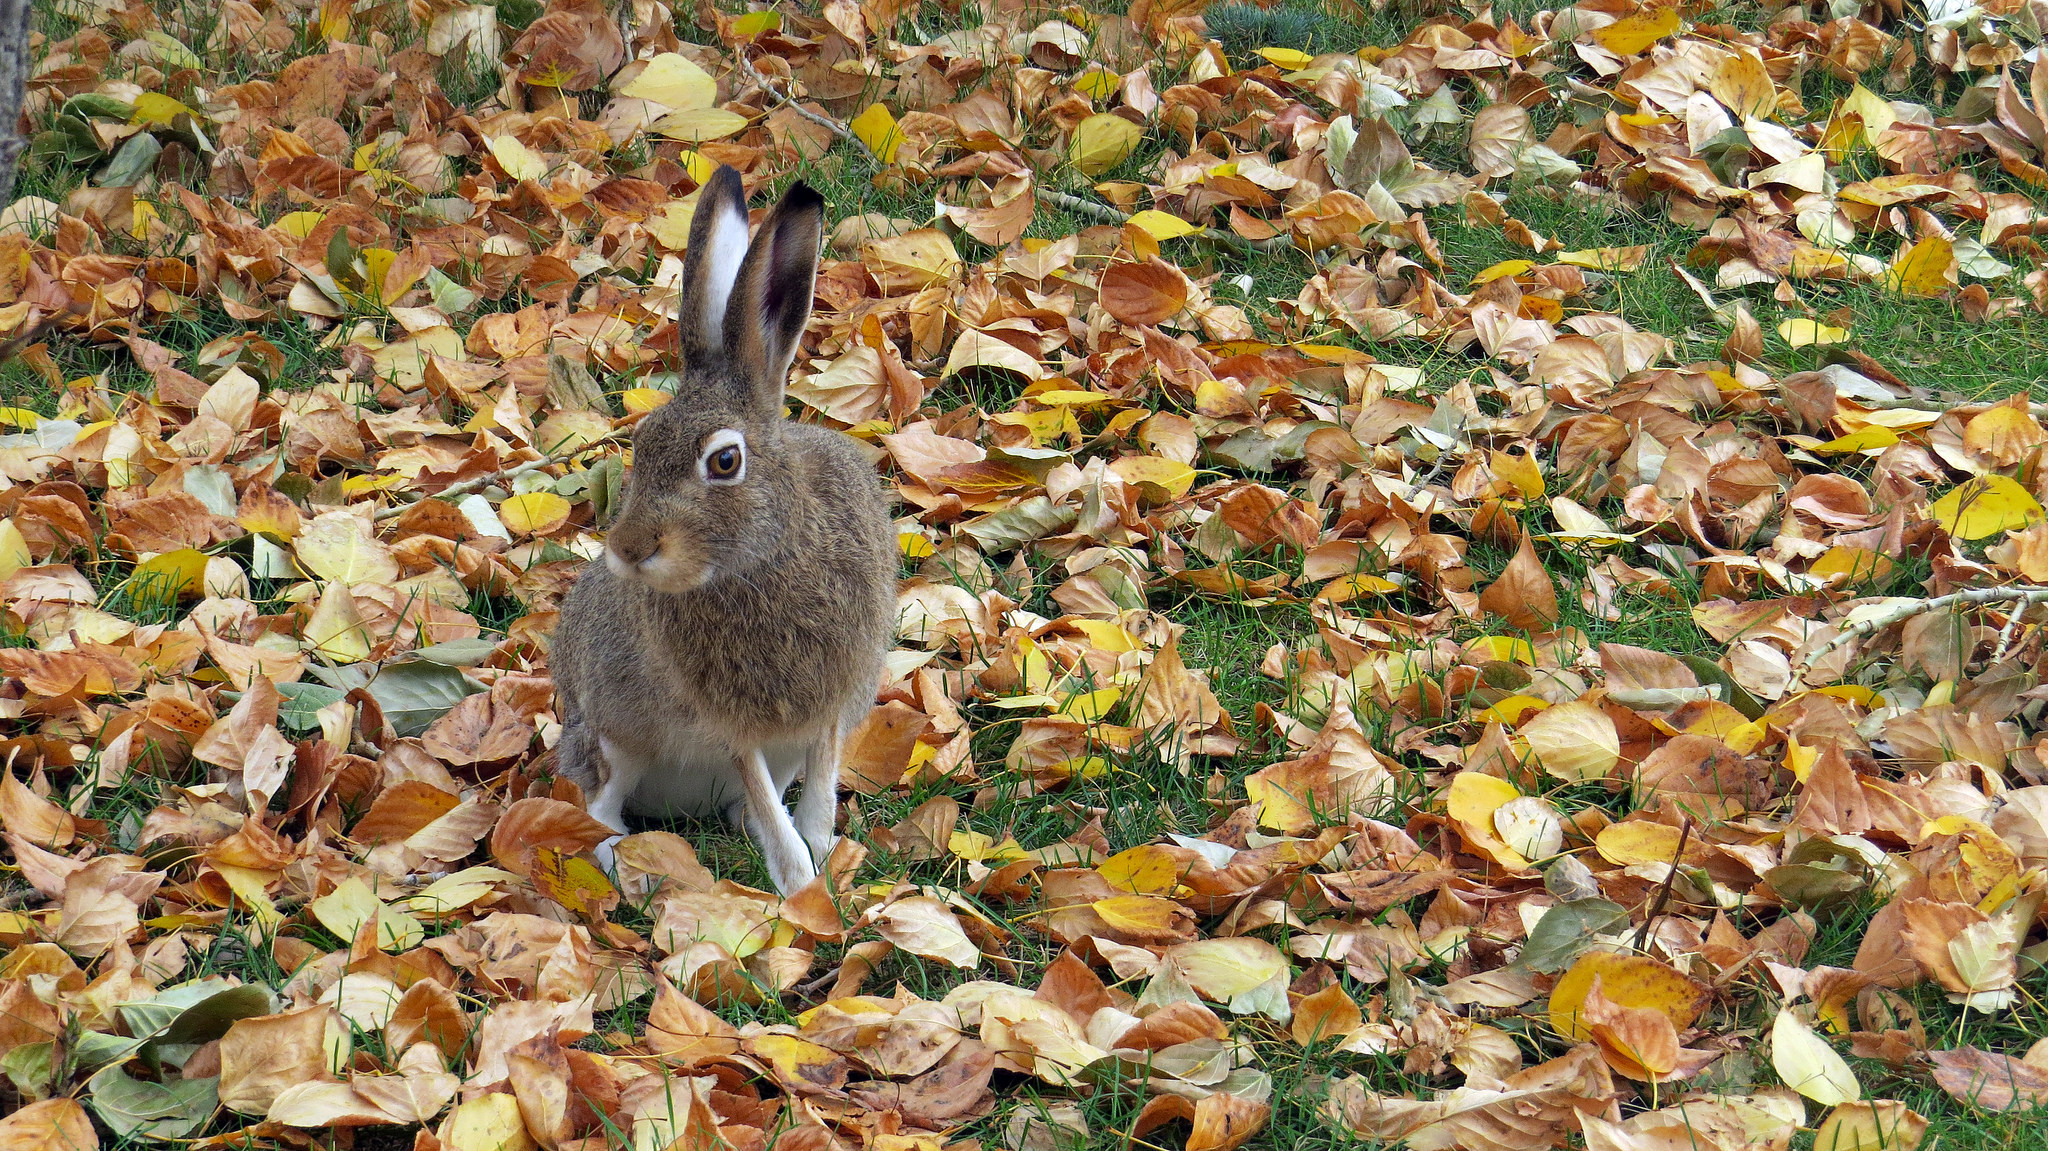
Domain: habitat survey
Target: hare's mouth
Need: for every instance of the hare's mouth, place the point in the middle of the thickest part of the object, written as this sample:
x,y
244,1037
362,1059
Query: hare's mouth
x,y
672,568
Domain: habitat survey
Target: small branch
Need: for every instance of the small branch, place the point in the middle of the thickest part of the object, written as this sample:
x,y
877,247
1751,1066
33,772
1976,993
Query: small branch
x,y
1974,597
1109,215
785,100
2006,635
1664,894
481,482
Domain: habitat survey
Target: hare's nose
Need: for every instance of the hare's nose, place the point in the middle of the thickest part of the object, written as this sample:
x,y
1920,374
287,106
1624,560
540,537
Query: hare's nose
x,y
634,551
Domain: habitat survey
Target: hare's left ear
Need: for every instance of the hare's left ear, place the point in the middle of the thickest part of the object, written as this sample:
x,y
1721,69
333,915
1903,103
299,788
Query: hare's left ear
x,y
711,266
771,303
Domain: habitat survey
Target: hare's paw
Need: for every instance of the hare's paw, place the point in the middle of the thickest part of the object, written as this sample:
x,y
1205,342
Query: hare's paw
x,y
607,855
790,874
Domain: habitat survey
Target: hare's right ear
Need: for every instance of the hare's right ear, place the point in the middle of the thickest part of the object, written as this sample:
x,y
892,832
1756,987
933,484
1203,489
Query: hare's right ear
x,y
711,266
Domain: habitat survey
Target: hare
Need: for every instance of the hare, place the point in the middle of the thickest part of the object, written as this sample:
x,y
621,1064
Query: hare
x,y
737,625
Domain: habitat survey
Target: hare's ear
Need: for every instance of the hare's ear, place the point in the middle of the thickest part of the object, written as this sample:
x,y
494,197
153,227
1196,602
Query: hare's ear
x,y
772,301
718,250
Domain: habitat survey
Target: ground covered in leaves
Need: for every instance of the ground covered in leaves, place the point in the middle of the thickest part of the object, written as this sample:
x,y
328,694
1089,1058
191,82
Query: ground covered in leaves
x,y
1472,576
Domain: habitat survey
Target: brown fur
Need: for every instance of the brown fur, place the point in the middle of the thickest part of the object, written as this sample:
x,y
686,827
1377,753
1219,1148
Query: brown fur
x,y
781,647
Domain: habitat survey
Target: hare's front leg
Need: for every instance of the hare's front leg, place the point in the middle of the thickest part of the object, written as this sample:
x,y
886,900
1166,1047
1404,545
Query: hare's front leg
x,y
609,773
789,860
818,807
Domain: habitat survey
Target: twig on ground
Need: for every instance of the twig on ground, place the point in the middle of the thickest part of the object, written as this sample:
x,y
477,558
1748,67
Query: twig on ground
x,y
1109,215
481,482
2021,595
786,100
2007,634
1664,893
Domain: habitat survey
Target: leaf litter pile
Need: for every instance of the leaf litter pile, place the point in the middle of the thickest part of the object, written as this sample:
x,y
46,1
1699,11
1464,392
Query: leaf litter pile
x,y
285,857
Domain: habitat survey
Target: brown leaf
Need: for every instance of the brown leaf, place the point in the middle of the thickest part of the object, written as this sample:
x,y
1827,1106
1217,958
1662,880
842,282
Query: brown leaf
x,y
33,818
1147,293
532,823
1990,1080
262,1056
1524,595
477,730
52,1125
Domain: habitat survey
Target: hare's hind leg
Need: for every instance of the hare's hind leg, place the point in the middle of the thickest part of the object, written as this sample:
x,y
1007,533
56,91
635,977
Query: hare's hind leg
x,y
789,860
818,806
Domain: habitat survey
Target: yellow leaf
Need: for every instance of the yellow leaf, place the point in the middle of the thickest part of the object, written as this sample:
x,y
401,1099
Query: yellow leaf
x,y
336,630
1634,841
1107,636
1471,802
1808,1065
14,553
1626,259
1292,59
1160,226
1855,693
139,220
1743,85
1871,438
1170,476
673,81
1629,981
156,108
1574,741
535,513
299,225
1091,706
1510,710
700,124
755,23
1852,565
1518,469
1146,870
488,1121
1344,589
791,1055
698,165
182,572
913,545
1801,332
1924,268
980,847
876,128
573,882
1101,142
1098,83
639,401
1500,649
1139,914
1069,397
519,161
1986,506
19,417
1503,269
376,262
344,910
1631,34
670,223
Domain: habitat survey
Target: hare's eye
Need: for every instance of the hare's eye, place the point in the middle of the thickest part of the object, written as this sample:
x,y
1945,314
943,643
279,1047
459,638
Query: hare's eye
x,y
724,460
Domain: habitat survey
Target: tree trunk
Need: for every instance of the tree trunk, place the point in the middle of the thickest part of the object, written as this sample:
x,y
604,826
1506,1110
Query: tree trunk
x,y
14,70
